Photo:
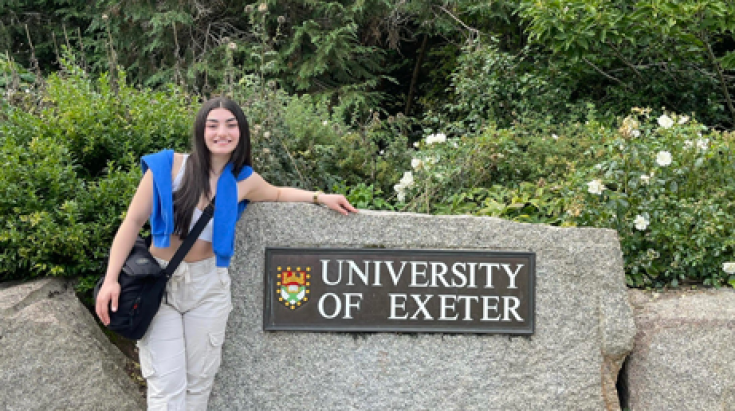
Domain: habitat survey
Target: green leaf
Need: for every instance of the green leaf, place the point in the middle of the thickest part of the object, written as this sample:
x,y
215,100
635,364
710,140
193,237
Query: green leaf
x,y
728,60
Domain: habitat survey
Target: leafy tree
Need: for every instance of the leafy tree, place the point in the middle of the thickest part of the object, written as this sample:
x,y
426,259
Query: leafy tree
x,y
34,33
677,54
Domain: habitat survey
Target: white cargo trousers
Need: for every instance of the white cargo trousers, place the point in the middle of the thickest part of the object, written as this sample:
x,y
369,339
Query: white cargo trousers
x,y
181,351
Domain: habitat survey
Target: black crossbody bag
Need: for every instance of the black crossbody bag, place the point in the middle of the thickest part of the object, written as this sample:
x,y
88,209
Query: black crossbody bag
x,y
143,283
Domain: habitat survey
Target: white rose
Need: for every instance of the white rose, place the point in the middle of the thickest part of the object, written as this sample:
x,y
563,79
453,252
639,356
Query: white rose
x,y
400,191
728,267
407,179
436,138
665,121
595,187
641,222
663,158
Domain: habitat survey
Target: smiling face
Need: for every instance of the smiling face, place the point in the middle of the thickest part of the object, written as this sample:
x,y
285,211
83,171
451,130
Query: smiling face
x,y
221,131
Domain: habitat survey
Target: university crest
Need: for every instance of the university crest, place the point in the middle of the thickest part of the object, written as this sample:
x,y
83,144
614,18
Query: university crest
x,y
293,286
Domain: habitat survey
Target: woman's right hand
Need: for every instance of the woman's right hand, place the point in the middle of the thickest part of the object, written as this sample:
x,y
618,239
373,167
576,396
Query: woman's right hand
x,y
107,299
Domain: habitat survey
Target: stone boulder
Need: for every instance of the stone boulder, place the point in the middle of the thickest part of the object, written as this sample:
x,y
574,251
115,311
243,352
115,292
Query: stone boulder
x,y
683,357
584,323
53,355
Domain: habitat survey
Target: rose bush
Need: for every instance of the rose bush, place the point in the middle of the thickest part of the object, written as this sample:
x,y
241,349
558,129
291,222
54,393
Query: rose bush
x,y
665,183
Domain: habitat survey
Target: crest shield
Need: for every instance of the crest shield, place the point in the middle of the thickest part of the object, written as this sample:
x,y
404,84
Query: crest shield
x,y
293,286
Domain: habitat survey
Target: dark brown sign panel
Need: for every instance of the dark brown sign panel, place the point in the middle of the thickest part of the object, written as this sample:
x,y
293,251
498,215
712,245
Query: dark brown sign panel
x,y
365,290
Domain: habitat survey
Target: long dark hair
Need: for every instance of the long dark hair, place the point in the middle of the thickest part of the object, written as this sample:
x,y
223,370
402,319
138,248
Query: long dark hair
x,y
196,176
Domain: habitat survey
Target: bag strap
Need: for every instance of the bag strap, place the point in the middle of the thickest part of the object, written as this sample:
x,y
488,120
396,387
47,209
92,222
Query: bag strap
x,y
207,214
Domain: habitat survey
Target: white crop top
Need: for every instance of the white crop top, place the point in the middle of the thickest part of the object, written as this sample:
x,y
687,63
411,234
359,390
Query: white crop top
x,y
206,234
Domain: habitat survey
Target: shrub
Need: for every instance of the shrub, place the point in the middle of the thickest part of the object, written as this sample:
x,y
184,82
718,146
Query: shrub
x,y
365,196
493,86
472,167
70,162
302,141
665,184
70,167
107,119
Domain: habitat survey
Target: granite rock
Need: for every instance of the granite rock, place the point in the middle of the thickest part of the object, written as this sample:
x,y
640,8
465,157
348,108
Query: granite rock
x,y
53,355
584,323
683,357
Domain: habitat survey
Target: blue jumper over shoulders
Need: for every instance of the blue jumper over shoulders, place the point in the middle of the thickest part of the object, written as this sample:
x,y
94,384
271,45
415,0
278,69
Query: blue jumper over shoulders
x,y
226,213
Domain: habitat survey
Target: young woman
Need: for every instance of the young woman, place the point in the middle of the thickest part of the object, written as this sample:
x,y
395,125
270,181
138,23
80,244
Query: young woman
x,y
181,351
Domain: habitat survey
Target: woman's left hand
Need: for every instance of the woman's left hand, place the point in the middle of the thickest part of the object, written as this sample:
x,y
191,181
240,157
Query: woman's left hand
x,y
337,202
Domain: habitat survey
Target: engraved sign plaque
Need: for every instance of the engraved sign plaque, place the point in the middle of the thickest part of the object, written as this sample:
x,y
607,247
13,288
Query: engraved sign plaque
x,y
391,290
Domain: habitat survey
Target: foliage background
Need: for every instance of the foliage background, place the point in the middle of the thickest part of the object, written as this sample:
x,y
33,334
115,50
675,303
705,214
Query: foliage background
x,y
508,108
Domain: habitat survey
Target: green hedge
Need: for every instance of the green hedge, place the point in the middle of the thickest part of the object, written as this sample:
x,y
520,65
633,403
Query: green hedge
x,y
71,150
70,166
70,155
